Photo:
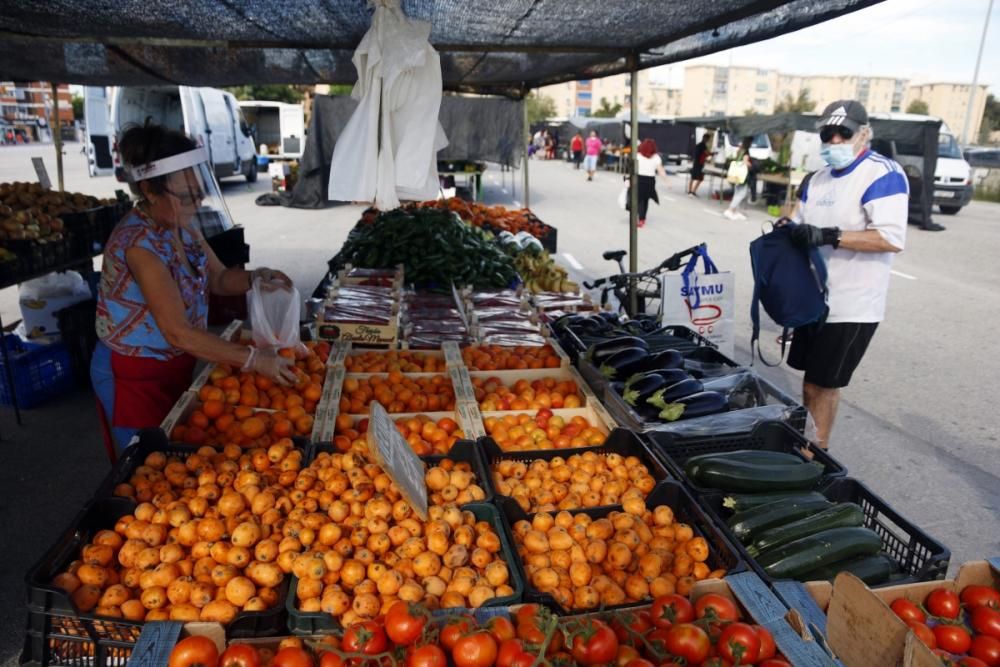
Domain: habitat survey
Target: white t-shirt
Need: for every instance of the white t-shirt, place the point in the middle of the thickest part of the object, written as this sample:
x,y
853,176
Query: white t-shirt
x,y
871,193
648,165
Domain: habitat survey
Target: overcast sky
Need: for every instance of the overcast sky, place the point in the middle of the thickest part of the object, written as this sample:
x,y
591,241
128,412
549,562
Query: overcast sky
x,y
920,40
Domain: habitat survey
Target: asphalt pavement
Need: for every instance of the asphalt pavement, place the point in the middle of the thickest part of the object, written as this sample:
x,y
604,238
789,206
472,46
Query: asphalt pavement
x,y
917,424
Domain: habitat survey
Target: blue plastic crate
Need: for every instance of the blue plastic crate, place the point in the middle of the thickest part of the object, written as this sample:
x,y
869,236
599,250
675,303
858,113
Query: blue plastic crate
x,y
39,371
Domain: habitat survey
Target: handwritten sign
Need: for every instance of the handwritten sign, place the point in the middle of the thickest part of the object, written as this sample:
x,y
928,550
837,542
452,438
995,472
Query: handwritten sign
x,y
394,454
42,172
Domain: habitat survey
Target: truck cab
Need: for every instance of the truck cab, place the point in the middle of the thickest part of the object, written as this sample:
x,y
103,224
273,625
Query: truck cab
x,y
952,176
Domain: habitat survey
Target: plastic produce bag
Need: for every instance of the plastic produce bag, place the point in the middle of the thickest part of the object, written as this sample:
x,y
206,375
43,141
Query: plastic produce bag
x,y
54,285
274,316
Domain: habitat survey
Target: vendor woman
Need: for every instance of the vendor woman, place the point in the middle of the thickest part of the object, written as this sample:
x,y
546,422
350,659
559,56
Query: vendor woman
x,y
152,306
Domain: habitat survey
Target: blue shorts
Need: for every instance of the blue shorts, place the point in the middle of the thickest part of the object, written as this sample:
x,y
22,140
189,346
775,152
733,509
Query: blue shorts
x,y
590,163
103,379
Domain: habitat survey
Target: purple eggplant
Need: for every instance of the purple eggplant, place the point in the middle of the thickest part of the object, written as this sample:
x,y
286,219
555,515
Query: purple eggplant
x,y
637,392
623,363
695,405
671,375
674,392
598,352
662,360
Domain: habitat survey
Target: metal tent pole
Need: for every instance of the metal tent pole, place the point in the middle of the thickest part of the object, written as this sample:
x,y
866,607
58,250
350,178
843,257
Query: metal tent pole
x,y
975,77
633,190
57,134
524,145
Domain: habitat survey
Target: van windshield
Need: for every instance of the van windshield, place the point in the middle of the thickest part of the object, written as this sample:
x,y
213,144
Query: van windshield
x,y
759,141
948,147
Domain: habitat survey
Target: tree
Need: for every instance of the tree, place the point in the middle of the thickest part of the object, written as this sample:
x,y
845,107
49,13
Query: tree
x,y
991,119
77,102
653,106
750,111
607,110
800,104
540,108
918,107
269,93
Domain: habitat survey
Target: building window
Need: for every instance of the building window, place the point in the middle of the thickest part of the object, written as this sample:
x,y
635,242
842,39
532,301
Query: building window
x,y
760,102
762,87
628,99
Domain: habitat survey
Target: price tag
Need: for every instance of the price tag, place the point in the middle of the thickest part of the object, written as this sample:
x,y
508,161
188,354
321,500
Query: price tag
x,y
393,453
43,174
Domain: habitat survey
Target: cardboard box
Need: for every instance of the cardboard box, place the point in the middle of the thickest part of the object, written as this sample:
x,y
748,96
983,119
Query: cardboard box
x,y
39,315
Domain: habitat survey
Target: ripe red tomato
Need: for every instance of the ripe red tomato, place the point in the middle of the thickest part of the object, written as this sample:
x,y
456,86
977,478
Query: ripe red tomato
x,y
291,656
194,652
523,659
367,637
768,649
980,596
639,662
595,644
908,611
501,628
240,655
657,639
688,641
454,629
943,603
923,633
331,659
476,650
625,655
430,655
739,642
668,610
637,621
952,638
404,623
986,621
774,662
716,607
970,662
716,662
508,650
987,649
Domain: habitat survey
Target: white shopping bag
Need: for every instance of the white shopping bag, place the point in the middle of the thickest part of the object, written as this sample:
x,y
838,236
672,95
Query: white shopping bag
x,y
274,315
703,302
623,199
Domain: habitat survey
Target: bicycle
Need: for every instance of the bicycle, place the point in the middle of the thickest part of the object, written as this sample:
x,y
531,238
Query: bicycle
x,y
647,284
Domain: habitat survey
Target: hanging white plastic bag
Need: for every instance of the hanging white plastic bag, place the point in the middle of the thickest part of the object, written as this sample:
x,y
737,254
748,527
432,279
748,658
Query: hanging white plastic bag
x,y
623,199
274,315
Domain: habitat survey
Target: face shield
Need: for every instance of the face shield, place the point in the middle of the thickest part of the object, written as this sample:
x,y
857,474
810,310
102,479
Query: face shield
x,y
191,187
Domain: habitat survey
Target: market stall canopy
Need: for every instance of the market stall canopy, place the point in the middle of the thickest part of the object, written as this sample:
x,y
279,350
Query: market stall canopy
x,y
503,48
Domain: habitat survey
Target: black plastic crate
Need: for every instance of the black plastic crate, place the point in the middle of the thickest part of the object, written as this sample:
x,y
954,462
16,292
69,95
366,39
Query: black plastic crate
x,y
58,634
674,450
669,337
312,623
619,441
920,557
155,440
722,553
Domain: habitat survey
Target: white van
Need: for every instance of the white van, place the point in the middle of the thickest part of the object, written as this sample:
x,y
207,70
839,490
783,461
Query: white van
x,y
211,116
952,176
278,125
726,145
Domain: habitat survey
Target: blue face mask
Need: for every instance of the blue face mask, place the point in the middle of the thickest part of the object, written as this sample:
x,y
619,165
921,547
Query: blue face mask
x,y
838,156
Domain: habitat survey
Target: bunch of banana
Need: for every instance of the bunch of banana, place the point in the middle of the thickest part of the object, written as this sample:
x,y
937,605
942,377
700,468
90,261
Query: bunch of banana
x,y
542,274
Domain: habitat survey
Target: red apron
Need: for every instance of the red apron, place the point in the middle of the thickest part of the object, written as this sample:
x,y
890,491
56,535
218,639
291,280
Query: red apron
x,y
146,388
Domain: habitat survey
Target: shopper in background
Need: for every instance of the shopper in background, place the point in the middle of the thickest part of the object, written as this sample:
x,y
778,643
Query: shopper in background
x,y
741,190
701,155
576,146
649,164
593,149
855,211
152,303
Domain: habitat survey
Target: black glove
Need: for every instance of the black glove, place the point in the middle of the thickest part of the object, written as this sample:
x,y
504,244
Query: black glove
x,y
809,236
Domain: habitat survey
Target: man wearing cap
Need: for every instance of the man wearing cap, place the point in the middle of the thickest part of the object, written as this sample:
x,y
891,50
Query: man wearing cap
x,y
855,211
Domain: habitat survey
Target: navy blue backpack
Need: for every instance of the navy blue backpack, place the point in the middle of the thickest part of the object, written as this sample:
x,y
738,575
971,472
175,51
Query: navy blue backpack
x,y
789,282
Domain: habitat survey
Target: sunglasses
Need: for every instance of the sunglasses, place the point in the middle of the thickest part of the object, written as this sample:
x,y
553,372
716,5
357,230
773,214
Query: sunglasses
x,y
830,131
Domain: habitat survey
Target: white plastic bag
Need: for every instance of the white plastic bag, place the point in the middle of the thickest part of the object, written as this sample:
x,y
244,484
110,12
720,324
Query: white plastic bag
x,y
53,285
274,315
623,199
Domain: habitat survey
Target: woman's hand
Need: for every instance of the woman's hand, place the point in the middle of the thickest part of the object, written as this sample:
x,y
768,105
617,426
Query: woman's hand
x,y
270,278
270,364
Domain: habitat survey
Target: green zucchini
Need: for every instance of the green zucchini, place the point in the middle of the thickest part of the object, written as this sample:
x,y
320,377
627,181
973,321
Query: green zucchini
x,y
838,516
739,502
872,570
746,455
747,525
795,559
739,476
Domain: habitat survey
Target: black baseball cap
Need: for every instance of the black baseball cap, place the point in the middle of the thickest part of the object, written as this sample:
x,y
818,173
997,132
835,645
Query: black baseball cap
x,y
848,113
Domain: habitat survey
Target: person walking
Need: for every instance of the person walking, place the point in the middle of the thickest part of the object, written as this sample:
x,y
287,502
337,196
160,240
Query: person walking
x,y
576,146
649,165
855,211
701,155
593,149
740,190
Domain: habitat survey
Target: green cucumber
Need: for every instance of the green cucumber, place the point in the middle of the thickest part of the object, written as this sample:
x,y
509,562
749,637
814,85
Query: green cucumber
x,y
746,455
795,559
838,516
750,523
739,476
739,502
872,570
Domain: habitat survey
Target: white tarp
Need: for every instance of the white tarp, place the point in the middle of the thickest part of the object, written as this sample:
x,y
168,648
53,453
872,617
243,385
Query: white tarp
x,y
399,93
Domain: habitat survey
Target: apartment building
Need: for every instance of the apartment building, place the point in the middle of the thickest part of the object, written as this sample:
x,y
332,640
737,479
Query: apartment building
x,y
583,98
728,91
950,102
28,107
